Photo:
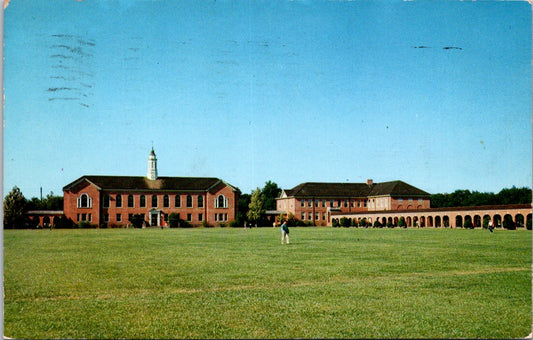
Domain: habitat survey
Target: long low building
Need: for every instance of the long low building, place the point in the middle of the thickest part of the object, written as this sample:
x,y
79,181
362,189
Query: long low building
x,y
517,215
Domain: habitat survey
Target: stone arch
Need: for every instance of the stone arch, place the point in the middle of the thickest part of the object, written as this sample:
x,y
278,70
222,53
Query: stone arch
x,y
519,219
486,220
409,221
467,222
395,221
46,221
416,222
55,221
508,222
430,221
445,221
497,221
399,207
438,222
458,221
477,221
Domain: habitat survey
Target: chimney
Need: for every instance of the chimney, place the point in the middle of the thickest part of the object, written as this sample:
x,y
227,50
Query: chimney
x,y
369,182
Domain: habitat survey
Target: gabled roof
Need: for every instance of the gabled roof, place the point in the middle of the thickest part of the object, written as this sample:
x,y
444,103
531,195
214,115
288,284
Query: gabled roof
x,y
394,188
143,183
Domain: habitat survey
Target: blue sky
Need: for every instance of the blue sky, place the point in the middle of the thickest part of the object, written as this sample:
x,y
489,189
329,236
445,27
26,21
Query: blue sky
x,y
434,93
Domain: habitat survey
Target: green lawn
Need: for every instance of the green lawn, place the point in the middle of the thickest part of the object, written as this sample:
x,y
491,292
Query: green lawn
x,y
235,283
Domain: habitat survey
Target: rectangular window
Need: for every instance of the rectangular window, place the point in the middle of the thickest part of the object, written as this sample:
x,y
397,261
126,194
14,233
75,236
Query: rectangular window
x,y
130,216
346,203
189,217
331,203
221,217
216,217
119,217
310,203
130,201
359,204
200,217
225,217
118,201
78,217
84,217
323,203
177,201
303,216
316,203
310,216
324,216
317,216
106,218
364,204
303,202
90,217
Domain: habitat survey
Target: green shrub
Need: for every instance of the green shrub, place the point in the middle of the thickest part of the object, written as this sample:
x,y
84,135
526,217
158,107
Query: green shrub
x,y
346,222
234,224
401,223
84,224
335,223
222,225
468,224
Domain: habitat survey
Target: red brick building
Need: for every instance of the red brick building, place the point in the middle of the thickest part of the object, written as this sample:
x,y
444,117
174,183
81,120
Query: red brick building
x,y
113,200
314,202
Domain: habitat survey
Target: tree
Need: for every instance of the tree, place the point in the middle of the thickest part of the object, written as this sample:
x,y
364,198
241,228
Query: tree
x,y
14,209
256,211
50,202
244,201
270,192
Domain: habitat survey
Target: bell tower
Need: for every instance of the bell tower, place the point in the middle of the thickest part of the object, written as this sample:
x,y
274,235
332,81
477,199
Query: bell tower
x,y
152,166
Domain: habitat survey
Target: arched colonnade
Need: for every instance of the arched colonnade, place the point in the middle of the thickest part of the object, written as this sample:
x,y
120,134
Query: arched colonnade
x,y
514,216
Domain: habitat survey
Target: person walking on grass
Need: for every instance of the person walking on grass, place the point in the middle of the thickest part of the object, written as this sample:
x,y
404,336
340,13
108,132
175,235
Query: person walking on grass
x,y
284,233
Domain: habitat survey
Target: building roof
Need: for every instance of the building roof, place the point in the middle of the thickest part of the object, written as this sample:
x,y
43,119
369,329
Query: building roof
x,y
143,183
394,188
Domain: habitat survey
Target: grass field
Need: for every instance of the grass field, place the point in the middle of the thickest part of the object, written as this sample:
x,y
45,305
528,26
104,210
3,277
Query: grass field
x,y
235,283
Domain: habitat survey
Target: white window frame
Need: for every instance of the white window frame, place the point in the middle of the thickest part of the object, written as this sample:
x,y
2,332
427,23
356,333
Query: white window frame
x,y
89,201
217,201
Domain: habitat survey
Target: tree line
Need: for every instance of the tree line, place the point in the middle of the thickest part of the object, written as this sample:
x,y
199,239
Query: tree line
x,y
467,198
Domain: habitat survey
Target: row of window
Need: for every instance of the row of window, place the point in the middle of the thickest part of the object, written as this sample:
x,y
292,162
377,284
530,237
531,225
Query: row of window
x,y
343,203
218,217
309,217
333,203
85,201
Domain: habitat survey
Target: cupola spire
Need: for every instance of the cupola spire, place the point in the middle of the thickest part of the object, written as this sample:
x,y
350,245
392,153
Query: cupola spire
x,y
152,165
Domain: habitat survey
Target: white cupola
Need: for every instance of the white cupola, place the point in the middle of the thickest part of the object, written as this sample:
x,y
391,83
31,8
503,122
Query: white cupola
x,y
152,166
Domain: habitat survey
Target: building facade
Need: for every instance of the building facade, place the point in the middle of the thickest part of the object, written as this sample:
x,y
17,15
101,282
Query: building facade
x,y
316,202
113,200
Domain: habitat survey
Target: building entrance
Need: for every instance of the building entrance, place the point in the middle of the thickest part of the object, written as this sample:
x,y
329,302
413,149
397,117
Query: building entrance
x,y
154,218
